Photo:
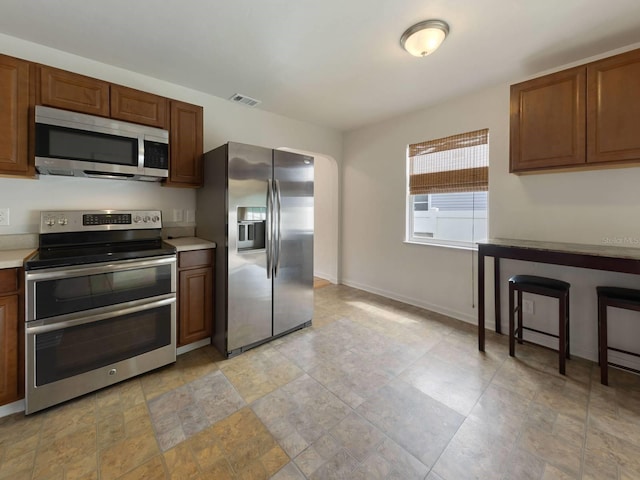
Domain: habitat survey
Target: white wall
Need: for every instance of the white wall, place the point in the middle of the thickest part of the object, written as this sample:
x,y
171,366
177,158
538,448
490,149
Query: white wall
x,y
375,256
223,121
578,207
326,213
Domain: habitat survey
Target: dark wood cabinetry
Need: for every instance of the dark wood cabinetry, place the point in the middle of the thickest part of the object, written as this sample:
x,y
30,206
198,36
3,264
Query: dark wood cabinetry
x,y
548,121
583,117
11,351
70,91
136,106
23,84
15,100
195,295
613,116
185,145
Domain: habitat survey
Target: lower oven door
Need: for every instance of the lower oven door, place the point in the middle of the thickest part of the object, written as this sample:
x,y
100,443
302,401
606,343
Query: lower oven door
x,y
71,355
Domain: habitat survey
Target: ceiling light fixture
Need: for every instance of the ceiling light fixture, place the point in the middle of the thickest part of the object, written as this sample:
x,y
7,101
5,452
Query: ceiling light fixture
x,y
424,38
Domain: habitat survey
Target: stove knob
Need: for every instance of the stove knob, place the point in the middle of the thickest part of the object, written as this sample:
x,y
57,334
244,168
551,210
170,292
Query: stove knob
x,y
146,219
50,221
156,219
62,221
137,219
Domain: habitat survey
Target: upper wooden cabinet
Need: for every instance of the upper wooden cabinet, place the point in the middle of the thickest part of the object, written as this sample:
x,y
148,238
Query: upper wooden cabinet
x,y
613,117
548,121
24,84
15,102
139,107
70,91
583,117
185,145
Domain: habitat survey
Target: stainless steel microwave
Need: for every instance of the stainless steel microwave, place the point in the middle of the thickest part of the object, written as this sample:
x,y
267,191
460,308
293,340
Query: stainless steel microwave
x,y
76,144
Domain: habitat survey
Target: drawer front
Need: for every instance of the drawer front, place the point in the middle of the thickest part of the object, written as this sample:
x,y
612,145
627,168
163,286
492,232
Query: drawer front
x,y
195,258
9,280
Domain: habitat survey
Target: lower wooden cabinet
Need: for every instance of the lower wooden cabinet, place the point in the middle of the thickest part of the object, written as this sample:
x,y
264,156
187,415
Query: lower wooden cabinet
x,y
195,295
11,366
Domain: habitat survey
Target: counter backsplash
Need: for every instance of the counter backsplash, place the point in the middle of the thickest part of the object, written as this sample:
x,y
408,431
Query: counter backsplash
x,y
18,241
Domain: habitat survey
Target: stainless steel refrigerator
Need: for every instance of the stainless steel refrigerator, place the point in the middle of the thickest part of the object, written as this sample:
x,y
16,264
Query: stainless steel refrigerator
x,y
257,205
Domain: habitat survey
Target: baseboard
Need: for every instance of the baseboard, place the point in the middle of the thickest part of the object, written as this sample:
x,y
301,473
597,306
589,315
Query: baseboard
x,y
325,276
465,317
12,408
193,346
623,359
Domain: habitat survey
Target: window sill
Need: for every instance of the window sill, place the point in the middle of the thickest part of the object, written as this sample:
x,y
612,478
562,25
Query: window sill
x,y
473,247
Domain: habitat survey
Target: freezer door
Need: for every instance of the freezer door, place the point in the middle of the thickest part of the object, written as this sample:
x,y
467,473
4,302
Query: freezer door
x,y
293,262
249,288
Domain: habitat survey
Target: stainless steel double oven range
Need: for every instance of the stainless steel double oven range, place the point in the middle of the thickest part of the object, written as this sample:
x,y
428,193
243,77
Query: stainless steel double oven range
x,y
100,303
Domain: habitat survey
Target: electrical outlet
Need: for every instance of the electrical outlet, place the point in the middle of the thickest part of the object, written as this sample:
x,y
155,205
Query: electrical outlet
x,y
527,306
4,217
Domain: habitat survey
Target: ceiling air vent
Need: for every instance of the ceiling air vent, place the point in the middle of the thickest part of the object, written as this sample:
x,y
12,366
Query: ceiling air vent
x,y
243,99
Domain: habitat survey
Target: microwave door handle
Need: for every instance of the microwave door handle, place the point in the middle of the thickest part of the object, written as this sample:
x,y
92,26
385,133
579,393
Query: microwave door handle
x,y
141,153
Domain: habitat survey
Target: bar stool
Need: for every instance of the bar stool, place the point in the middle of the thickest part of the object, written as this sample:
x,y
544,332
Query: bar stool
x,y
547,287
617,297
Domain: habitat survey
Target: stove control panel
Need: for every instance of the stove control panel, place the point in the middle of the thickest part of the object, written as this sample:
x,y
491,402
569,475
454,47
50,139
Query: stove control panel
x,y
98,220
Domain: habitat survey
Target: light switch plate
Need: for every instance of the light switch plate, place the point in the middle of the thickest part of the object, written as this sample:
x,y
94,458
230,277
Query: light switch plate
x,y
4,217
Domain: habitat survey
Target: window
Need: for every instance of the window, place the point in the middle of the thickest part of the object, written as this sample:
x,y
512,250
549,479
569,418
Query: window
x,y
447,189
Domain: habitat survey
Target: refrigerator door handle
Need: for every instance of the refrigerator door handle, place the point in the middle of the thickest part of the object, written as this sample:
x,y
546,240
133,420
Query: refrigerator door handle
x,y
278,239
269,229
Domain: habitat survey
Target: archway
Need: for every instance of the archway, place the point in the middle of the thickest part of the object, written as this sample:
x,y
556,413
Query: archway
x,y
326,215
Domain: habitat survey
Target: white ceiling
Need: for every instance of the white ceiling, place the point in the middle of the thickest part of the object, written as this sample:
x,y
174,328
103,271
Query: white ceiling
x,y
336,63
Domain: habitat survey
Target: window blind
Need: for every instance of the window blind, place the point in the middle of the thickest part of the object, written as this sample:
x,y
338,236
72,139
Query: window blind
x,y
459,163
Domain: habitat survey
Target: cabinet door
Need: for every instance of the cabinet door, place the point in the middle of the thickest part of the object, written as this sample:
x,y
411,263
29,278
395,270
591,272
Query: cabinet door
x,y
613,122
195,305
14,116
139,107
548,121
185,145
8,349
70,91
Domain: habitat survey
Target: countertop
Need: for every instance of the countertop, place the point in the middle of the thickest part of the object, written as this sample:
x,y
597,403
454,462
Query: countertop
x,y
185,244
14,258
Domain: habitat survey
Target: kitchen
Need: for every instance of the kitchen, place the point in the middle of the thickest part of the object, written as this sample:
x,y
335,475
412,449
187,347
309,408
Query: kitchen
x,y
362,155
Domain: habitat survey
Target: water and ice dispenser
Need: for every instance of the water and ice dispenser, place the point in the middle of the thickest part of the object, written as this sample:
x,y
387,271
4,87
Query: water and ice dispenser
x,y
251,228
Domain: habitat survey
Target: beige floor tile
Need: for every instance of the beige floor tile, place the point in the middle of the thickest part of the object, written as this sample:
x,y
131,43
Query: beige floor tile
x,y
126,455
474,452
152,469
374,390
420,424
613,450
259,372
552,448
181,463
449,383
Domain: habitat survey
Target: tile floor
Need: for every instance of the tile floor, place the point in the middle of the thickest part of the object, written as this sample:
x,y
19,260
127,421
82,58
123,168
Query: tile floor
x,y
374,390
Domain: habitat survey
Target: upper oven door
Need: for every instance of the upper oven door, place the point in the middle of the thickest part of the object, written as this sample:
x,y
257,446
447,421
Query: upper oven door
x,y
61,291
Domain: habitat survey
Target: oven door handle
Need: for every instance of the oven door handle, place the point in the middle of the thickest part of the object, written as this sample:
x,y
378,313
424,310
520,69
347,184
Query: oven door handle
x,y
65,272
50,327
